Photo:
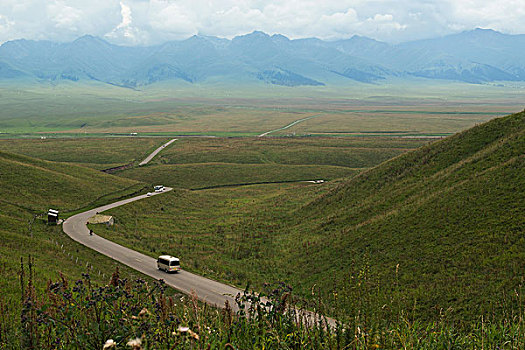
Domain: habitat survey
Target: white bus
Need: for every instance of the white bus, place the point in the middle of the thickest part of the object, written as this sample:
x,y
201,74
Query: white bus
x,y
168,263
159,188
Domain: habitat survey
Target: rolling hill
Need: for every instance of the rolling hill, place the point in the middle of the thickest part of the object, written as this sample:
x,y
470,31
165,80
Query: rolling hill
x,y
439,229
29,187
37,185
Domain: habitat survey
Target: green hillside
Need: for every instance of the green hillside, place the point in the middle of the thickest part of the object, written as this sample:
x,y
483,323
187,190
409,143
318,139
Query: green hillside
x,y
441,229
29,187
435,232
38,185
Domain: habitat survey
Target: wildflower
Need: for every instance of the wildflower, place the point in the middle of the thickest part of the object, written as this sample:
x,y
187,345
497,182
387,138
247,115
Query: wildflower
x,y
110,343
187,330
144,313
135,344
193,335
183,329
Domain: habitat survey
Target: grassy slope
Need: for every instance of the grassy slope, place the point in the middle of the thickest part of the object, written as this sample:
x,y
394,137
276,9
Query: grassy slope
x,y
29,186
39,185
98,153
449,215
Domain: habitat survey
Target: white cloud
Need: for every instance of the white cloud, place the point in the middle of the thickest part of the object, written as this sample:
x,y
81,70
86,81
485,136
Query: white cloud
x,y
153,21
126,32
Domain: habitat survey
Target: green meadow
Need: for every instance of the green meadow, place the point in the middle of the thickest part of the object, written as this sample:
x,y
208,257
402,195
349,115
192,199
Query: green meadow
x,y
195,163
411,241
435,232
95,109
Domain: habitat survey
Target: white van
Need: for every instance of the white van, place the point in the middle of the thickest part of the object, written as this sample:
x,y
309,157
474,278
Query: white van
x,y
168,263
159,188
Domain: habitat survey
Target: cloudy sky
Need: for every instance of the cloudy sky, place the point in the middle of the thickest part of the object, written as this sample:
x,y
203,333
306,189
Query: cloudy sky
x,y
144,22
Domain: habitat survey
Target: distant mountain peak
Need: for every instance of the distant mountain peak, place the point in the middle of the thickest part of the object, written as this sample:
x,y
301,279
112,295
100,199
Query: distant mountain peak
x,y
280,37
481,32
90,39
255,34
485,30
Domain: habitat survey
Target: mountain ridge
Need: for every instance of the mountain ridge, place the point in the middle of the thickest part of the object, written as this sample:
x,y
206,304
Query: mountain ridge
x,y
476,56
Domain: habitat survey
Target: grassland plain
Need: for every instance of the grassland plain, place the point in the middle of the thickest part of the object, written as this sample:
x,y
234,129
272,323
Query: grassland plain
x,y
434,233
97,153
94,108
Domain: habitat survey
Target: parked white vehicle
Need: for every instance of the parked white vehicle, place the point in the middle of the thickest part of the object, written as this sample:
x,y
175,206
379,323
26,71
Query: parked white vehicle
x,y
168,263
159,188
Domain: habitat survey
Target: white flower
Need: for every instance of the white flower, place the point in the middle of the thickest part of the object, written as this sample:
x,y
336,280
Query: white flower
x,y
110,343
135,343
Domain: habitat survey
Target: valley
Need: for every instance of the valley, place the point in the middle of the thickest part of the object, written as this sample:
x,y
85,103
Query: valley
x,y
407,206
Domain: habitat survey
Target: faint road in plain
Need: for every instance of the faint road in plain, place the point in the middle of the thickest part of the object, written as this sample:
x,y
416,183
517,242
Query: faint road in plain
x,y
289,125
155,152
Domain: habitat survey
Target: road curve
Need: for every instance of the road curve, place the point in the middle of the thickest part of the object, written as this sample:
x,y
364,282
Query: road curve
x,y
209,291
206,290
155,152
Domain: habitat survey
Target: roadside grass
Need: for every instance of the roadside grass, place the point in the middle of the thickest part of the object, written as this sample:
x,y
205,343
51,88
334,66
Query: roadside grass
x,y
28,188
97,153
434,233
143,315
222,233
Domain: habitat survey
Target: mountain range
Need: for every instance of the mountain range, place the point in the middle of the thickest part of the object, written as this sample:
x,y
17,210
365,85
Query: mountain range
x,y
476,56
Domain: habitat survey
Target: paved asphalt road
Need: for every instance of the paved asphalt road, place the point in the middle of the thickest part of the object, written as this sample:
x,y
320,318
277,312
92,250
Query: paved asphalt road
x,y
207,290
154,153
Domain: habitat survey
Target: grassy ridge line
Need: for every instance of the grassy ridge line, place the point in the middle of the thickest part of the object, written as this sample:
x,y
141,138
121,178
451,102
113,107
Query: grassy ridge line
x,y
40,184
446,210
430,159
248,184
96,152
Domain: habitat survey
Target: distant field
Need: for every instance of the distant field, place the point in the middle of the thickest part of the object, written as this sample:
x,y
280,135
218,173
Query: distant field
x,y
345,152
391,109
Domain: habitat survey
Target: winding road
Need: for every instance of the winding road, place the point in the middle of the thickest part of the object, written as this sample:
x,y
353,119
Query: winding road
x,y
206,290
209,291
